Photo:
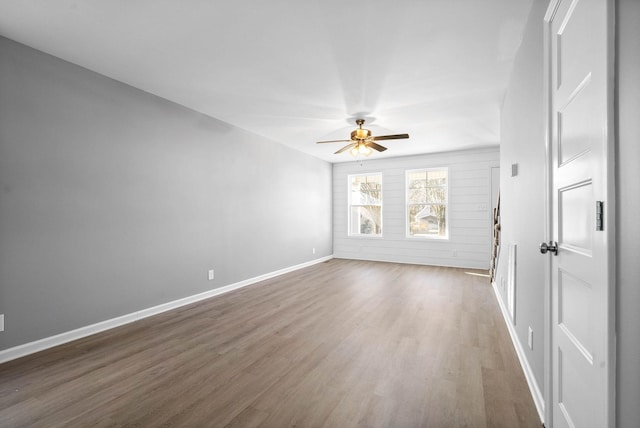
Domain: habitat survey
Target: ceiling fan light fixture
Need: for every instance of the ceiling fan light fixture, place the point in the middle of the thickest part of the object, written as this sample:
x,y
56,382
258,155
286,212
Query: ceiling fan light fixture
x,y
360,148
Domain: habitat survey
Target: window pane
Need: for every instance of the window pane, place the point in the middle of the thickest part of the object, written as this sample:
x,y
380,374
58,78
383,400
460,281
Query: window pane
x,y
365,204
427,202
366,189
416,227
417,179
428,220
417,196
437,178
366,220
436,194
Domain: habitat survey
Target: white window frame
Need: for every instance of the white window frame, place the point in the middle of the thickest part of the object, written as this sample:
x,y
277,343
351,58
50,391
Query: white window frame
x,y
350,205
407,205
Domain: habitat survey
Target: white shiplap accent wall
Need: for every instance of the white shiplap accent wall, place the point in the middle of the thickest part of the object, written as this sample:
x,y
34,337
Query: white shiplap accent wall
x,y
470,213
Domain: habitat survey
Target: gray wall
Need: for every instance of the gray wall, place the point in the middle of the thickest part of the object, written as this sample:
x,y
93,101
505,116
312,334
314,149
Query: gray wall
x,y
628,212
113,200
521,197
470,213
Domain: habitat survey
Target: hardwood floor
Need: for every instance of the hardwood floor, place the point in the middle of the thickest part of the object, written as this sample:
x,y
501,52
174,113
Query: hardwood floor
x,y
339,344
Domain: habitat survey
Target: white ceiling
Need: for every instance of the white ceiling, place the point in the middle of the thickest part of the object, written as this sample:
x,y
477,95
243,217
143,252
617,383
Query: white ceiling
x,y
299,71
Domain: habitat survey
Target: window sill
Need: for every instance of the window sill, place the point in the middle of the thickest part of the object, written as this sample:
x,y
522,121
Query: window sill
x,y
429,238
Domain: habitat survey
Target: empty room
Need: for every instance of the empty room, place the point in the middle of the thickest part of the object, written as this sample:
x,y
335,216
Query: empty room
x,y
319,213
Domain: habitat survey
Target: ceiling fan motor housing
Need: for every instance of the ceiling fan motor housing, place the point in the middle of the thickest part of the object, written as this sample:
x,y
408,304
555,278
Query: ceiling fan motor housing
x,y
360,134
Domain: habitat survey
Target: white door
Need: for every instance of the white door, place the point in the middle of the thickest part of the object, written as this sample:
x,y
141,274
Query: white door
x,y
578,36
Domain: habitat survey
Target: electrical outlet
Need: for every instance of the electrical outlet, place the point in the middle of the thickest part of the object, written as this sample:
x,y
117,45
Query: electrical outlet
x,y
313,251
530,339
1,322
211,275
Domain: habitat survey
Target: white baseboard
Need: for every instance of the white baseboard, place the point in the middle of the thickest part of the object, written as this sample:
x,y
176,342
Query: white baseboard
x,y
62,338
462,265
538,397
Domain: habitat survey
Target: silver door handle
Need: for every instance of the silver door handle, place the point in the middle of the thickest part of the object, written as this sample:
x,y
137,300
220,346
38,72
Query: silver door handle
x,y
551,247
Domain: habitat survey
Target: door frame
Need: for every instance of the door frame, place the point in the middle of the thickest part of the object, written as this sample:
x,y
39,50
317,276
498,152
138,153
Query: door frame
x,y
609,212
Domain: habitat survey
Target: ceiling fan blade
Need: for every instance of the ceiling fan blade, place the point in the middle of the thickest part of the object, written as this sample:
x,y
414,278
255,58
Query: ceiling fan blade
x,y
390,137
333,141
375,146
345,148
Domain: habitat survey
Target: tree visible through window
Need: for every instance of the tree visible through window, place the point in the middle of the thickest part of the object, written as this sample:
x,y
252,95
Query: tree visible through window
x,y
427,197
365,204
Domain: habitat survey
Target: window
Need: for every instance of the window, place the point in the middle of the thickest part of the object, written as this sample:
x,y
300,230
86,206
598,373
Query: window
x,y
427,197
365,204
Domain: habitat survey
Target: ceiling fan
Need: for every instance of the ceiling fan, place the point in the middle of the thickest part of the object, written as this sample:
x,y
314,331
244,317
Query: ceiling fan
x,y
362,141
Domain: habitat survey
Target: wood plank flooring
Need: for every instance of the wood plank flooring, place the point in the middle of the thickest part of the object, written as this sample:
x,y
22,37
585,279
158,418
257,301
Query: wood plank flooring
x,y
339,344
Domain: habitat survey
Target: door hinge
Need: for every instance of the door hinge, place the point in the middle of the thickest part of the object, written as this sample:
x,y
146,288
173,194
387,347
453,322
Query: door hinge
x,y
599,215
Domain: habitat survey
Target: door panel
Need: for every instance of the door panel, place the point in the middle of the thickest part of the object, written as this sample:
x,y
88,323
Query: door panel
x,y
576,216
573,138
572,412
575,312
572,55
